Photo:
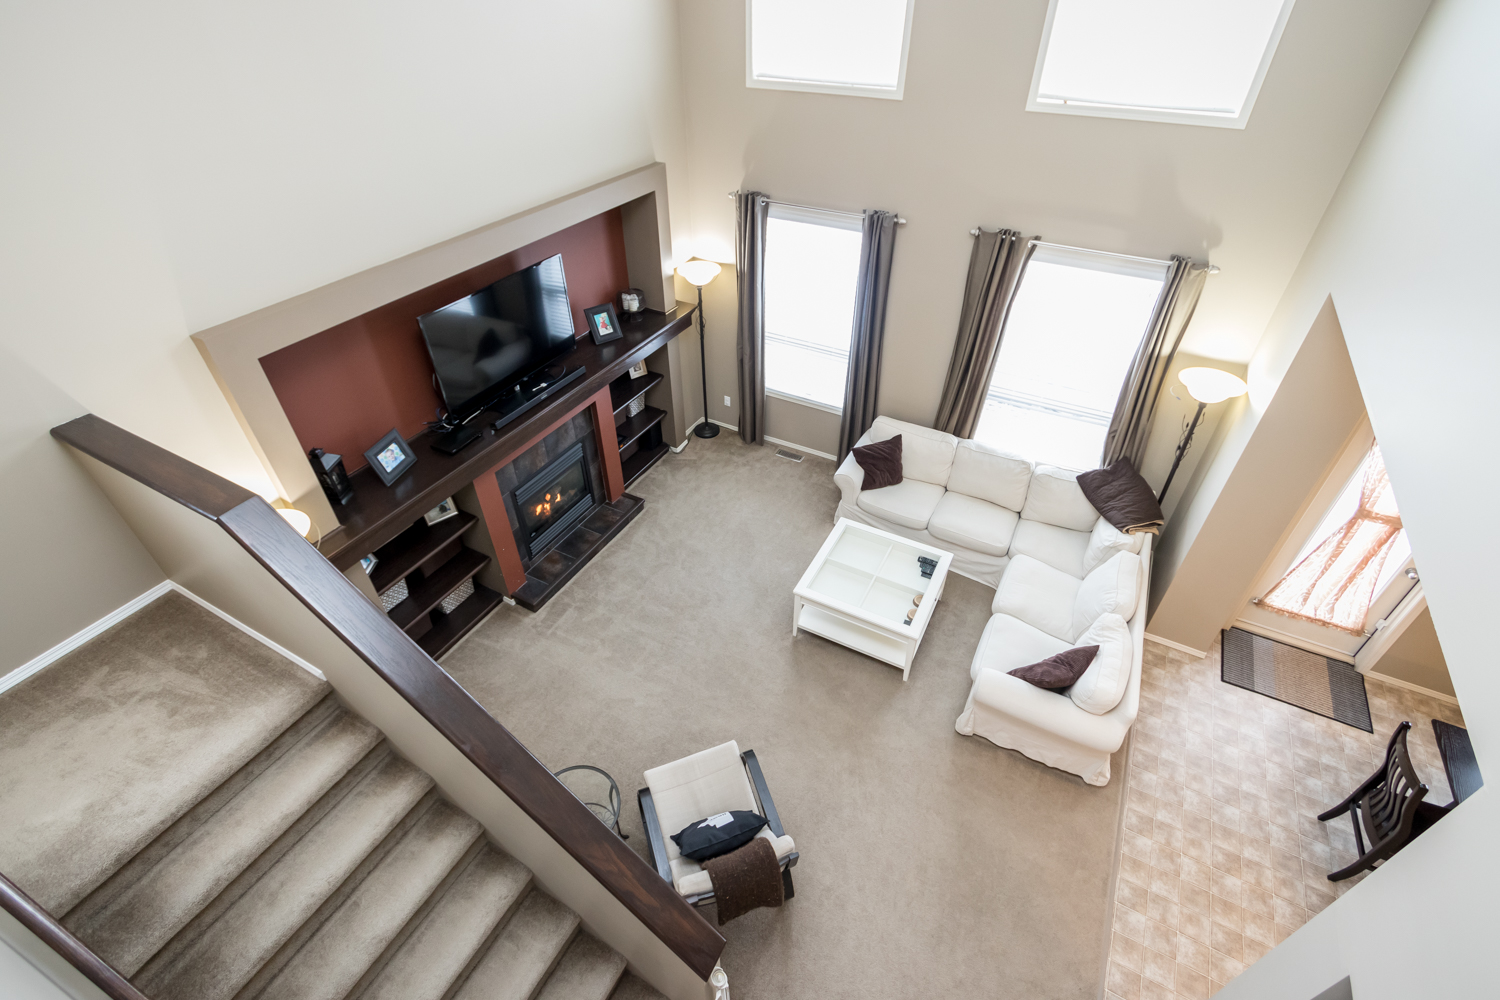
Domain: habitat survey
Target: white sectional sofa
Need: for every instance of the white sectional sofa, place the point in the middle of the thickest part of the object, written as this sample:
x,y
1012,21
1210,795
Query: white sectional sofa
x,y
1060,570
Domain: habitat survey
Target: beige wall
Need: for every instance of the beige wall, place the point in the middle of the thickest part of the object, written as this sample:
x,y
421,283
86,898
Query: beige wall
x,y
1284,440
69,558
1407,256
1417,657
171,165
960,150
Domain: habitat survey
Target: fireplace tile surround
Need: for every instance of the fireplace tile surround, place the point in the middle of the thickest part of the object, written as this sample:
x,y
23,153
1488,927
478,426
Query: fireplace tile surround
x,y
578,429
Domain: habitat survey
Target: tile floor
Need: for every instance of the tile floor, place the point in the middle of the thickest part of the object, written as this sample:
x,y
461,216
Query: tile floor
x,y
1222,856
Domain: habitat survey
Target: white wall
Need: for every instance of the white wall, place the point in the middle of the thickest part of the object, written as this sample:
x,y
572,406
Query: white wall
x,y
960,150
170,165
1408,256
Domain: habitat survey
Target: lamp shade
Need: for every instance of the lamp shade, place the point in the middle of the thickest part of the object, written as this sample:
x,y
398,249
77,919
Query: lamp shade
x,y
1210,385
296,519
699,272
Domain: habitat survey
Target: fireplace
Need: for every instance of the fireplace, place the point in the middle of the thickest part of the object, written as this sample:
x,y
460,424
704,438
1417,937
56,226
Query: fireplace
x,y
553,500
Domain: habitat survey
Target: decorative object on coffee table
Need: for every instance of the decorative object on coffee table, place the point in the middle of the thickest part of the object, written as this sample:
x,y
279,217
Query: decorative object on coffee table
x,y
699,273
595,789
391,457
859,587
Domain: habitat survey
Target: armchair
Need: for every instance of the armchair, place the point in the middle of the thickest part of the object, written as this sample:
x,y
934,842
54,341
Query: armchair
x,y
709,782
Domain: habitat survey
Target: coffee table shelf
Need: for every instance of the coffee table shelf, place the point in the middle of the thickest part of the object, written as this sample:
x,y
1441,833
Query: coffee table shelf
x,y
859,588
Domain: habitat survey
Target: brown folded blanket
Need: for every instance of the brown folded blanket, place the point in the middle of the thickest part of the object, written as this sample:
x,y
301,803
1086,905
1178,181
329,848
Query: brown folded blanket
x,y
745,879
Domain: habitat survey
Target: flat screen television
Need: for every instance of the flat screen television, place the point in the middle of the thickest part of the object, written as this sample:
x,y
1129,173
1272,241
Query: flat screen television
x,y
487,343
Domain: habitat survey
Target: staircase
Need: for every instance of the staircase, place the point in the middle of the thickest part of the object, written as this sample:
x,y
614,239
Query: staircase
x,y
324,867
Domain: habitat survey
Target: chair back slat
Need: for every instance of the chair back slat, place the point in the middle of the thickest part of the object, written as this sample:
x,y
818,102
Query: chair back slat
x,y
1387,809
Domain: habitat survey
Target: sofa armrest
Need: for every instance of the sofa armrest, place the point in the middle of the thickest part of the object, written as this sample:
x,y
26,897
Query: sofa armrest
x,y
851,475
1047,710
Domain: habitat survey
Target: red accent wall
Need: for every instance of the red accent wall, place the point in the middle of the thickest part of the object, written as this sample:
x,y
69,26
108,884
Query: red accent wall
x,y
344,388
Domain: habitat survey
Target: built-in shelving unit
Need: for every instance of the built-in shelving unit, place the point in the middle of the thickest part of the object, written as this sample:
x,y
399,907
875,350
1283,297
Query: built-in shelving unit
x,y
638,435
433,562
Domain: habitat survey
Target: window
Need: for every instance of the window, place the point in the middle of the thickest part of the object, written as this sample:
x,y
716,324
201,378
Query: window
x,y
1157,60
1073,330
828,46
812,270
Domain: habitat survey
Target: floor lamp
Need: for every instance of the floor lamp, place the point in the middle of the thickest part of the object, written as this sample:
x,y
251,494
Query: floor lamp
x,y
699,273
1206,385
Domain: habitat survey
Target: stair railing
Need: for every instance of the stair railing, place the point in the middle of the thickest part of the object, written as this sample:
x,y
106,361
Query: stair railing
x,y
57,937
392,655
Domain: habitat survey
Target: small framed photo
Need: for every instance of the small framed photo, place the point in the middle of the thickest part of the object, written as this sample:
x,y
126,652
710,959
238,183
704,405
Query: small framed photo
x,y
638,370
390,457
368,563
603,324
441,512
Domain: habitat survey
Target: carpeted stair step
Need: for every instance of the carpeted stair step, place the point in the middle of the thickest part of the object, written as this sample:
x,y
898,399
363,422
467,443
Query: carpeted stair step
x,y
589,970
524,954
633,987
332,962
140,909
108,747
448,940
218,953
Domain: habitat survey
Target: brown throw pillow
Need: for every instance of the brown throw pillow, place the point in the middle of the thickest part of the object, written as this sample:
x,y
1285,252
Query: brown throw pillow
x,y
1122,496
881,462
1060,671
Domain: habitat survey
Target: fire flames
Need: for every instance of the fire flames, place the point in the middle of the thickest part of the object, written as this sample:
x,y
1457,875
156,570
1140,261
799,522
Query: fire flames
x,y
544,509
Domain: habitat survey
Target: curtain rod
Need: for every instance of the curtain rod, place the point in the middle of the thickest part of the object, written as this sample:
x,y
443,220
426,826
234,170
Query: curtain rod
x,y
813,208
1212,268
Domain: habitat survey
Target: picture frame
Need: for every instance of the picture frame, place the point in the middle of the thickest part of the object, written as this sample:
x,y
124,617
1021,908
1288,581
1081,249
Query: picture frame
x,y
604,325
441,512
391,457
638,370
369,562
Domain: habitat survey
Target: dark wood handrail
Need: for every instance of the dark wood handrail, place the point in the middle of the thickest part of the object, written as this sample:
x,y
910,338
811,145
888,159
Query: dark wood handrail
x,y
57,937
401,663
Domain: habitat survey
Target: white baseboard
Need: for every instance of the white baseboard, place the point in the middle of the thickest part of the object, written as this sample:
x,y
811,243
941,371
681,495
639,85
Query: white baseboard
x,y
38,663
800,447
51,656
1446,699
1177,646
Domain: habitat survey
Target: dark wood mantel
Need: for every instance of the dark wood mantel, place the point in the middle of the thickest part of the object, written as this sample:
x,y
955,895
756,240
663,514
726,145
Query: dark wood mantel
x,y
379,513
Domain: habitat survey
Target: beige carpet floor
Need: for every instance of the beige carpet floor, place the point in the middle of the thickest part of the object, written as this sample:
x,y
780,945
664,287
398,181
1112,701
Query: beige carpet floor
x,y
933,865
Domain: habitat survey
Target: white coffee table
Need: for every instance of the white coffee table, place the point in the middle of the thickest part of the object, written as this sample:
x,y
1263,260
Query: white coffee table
x,y
859,588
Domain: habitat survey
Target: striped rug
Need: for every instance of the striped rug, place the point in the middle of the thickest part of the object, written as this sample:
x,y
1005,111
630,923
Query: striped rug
x,y
1330,688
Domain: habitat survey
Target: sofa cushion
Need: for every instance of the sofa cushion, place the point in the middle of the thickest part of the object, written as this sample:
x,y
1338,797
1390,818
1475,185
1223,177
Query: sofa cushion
x,y
926,454
973,523
1112,588
983,472
1058,671
1054,497
881,461
1103,684
1104,541
1008,642
1122,497
1038,595
1059,548
909,503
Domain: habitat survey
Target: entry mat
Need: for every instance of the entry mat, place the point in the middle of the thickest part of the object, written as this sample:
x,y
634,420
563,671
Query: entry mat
x,y
1330,688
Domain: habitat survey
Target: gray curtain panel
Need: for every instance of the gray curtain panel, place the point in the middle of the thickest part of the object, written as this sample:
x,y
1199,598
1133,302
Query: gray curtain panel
x,y
752,210
1131,424
996,265
862,387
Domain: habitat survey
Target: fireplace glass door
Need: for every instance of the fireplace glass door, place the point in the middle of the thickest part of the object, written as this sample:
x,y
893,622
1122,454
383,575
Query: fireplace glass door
x,y
553,500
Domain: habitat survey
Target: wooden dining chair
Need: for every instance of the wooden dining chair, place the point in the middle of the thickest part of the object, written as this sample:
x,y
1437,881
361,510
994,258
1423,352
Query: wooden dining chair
x,y
1386,809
